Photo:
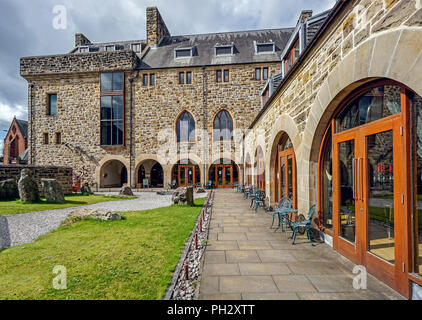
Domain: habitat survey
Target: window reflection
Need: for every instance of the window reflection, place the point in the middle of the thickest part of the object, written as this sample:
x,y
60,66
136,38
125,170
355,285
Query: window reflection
x,y
327,183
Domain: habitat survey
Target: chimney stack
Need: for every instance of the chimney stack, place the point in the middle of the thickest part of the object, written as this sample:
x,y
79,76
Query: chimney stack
x,y
81,40
305,15
156,28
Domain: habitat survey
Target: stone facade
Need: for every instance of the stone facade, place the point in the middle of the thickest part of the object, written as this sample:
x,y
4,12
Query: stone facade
x,y
368,40
156,28
61,174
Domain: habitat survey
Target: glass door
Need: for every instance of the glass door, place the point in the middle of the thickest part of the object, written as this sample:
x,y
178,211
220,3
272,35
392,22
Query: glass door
x,y
287,175
186,176
224,176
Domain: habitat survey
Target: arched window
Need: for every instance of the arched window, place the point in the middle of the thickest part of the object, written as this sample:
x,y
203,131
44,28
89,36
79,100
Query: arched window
x,y
185,128
223,126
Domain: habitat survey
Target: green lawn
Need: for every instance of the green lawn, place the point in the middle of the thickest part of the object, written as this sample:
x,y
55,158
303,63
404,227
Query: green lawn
x,y
15,207
129,259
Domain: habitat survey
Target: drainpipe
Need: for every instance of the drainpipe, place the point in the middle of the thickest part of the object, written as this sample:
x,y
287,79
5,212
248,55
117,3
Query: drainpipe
x,y
31,145
205,124
131,129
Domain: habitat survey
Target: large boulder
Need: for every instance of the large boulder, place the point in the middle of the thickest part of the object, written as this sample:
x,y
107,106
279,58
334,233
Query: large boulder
x,y
95,214
53,191
126,191
183,196
9,190
86,189
28,187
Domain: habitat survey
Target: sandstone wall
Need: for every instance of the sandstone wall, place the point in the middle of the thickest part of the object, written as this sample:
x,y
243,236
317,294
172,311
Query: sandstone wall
x,y
61,174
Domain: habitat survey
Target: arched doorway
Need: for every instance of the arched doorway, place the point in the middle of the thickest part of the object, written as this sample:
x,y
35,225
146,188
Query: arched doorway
x,y
186,173
224,173
152,172
370,166
260,169
285,168
114,174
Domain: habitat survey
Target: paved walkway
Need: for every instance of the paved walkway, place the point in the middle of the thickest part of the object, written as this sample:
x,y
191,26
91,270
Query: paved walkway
x,y
246,260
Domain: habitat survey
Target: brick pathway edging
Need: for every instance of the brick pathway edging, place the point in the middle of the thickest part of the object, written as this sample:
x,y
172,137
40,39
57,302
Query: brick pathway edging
x,y
188,248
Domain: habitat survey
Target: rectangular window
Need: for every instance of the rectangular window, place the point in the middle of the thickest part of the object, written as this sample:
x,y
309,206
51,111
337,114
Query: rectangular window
x,y
110,48
224,50
58,138
83,50
136,47
145,80
152,79
265,73
183,53
258,74
188,77
265,48
292,57
45,138
219,76
181,78
52,105
112,109
226,75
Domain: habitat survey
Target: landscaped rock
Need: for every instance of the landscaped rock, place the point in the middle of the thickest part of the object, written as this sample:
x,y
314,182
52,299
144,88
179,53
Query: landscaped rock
x,y
86,189
200,190
8,190
179,196
126,191
96,214
53,191
28,187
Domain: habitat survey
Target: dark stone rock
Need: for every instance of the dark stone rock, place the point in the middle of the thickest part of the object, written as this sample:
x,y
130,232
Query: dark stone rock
x,y
200,190
28,187
86,189
126,191
53,191
9,190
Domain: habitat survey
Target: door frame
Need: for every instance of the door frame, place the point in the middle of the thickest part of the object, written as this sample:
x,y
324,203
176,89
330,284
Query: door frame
x,y
285,154
224,167
186,167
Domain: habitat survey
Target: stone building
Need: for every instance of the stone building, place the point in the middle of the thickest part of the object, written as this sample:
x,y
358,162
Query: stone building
x,y
166,109
15,149
327,113
341,129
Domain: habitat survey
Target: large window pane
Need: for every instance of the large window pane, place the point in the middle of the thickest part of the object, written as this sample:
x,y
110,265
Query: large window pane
x,y
417,163
118,81
378,103
106,82
346,154
117,107
106,133
327,183
381,195
117,133
105,108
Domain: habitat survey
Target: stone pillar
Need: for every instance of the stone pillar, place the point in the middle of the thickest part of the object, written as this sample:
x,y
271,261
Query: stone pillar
x,y
156,28
167,172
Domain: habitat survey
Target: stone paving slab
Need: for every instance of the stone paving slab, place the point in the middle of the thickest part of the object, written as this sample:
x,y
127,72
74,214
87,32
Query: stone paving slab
x,y
246,260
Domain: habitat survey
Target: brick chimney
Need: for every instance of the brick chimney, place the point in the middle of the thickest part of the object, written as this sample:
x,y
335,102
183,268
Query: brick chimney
x,y
81,40
305,15
156,28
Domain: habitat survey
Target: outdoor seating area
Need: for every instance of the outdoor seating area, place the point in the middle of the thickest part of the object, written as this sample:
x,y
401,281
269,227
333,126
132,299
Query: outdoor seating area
x,y
288,217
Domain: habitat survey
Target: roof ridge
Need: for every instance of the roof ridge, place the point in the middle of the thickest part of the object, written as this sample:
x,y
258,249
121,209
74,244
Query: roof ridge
x,y
227,32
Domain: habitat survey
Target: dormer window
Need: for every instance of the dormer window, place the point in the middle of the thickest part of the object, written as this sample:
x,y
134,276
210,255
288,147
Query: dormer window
x,y
292,56
136,47
110,48
268,47
83,49
223,50
183,53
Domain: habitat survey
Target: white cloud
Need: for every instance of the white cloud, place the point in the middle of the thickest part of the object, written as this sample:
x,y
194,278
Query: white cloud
x,y
7,112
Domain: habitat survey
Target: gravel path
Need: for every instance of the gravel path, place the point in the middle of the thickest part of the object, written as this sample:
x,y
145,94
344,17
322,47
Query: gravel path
x,y
25,228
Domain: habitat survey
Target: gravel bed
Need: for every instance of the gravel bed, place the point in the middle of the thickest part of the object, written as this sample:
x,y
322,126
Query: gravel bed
x,y
25,228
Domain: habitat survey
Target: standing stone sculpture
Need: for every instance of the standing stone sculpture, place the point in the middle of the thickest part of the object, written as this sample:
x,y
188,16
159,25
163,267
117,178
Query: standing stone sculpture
x,y
53,191
189,197
8,190
28,187
183,196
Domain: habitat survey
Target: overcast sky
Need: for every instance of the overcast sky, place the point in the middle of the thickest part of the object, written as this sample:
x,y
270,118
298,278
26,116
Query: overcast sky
x,y
27,29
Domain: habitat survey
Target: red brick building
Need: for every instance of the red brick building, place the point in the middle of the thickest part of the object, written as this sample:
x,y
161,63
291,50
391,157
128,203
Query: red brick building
x,y
16,143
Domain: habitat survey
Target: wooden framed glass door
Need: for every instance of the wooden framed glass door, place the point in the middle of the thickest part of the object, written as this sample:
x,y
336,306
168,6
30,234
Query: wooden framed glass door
x,y
187,176
286,175
224,176
368,191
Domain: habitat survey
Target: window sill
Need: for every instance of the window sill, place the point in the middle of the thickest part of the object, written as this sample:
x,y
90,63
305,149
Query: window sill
x,y
113,147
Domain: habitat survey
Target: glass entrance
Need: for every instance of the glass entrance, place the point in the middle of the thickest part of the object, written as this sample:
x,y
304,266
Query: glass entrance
x,y
286,171
186,176
224,176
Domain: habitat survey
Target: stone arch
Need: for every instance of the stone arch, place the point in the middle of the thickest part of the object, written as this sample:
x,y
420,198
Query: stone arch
x,y
151,168
113,173
369,61
284,125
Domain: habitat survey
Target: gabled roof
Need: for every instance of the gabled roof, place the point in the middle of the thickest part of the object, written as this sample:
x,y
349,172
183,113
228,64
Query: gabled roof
x,y
162,56
23,127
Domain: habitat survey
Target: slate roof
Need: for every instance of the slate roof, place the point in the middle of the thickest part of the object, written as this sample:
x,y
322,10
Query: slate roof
x,y
162,56
23,127
120,45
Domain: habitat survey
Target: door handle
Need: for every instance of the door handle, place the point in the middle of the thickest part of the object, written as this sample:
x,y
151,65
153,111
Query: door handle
x,y
358,178
354,178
